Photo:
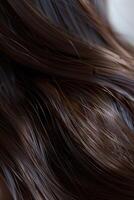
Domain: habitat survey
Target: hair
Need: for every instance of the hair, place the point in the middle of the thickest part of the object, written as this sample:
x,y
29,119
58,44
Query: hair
x,y
66,103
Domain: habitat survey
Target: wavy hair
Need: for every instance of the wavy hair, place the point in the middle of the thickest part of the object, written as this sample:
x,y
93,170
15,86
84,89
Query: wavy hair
x,y
66,103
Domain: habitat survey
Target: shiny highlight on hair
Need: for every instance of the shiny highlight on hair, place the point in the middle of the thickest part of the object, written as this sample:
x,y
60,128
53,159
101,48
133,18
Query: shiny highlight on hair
x,y
66,103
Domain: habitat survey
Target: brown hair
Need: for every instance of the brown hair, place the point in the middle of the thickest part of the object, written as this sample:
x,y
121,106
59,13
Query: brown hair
x,y
66,103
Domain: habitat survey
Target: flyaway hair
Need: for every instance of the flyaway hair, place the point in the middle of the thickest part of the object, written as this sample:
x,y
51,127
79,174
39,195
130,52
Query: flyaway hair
x,y
66,103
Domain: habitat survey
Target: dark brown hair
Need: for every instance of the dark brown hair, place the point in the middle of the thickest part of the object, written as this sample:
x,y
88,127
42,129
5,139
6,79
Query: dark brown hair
x,y
66,103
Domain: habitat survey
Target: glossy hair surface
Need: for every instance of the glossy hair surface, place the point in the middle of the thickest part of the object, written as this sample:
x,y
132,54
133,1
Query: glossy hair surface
x,y
66,103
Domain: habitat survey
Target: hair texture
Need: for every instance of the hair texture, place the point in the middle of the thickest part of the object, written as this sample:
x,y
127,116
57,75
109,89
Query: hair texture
x,y
66,103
